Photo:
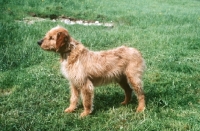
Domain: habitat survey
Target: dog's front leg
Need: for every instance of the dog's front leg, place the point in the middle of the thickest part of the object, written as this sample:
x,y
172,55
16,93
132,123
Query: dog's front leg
x,y
87,92
74,99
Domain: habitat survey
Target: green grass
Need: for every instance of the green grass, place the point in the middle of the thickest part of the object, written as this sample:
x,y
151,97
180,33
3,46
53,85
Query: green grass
x,y
34,94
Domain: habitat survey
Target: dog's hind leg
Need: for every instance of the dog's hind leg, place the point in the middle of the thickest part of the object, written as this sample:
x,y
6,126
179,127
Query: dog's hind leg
x,y
87,92
73,100
135,81
127,89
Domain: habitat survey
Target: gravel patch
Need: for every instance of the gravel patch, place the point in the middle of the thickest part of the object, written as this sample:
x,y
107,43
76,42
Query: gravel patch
x,y
68,21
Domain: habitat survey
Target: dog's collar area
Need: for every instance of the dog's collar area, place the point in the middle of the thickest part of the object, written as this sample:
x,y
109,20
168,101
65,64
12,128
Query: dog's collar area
x,y
64,55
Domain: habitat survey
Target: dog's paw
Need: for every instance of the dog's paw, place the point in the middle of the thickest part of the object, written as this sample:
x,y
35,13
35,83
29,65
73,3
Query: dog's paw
x,y
124,103
69,110
84,113
140,109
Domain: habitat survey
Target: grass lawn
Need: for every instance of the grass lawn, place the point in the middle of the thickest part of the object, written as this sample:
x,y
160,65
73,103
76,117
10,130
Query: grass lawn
x,y
34,94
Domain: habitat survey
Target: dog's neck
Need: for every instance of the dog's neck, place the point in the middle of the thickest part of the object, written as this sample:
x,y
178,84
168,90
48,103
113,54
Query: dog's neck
x,y
72,51
63,56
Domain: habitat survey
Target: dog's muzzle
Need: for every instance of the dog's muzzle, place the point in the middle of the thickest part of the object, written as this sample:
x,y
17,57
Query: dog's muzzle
x,y
40,42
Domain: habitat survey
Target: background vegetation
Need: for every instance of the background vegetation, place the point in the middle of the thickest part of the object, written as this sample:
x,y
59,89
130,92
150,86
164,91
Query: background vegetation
x,y
33,93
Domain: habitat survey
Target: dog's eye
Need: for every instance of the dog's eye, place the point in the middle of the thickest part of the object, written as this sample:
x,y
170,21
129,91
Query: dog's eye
x,y
50,38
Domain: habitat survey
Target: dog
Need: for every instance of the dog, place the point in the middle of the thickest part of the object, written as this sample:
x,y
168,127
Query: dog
x,y
85,69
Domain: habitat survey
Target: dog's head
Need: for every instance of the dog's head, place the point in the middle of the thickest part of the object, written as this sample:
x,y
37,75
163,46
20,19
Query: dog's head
x,y
57,39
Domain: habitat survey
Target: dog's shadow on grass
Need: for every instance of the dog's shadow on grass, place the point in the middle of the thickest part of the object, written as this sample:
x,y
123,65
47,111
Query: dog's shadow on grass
x,y
104,102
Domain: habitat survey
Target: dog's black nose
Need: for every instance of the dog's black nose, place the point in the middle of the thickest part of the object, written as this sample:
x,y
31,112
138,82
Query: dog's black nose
x,y
40,42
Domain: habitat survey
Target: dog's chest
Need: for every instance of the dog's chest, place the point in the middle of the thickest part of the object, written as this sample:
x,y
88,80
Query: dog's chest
x,y
64,69
73,72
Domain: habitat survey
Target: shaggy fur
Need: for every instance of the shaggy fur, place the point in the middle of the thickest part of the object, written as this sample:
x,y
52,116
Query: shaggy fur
x,y
85,69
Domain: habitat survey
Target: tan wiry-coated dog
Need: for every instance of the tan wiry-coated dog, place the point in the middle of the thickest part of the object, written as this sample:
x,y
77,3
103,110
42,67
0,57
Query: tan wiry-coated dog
x,y
85,69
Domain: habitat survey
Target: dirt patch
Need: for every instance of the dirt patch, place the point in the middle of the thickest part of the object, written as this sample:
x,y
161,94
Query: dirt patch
x,y
6,92
64,19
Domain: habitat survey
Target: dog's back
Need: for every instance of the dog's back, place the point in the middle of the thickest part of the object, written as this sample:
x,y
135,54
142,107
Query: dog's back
x,y
109,66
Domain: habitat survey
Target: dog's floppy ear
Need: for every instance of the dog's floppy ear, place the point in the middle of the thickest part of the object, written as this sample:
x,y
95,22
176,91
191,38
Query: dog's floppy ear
x,y
62,39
